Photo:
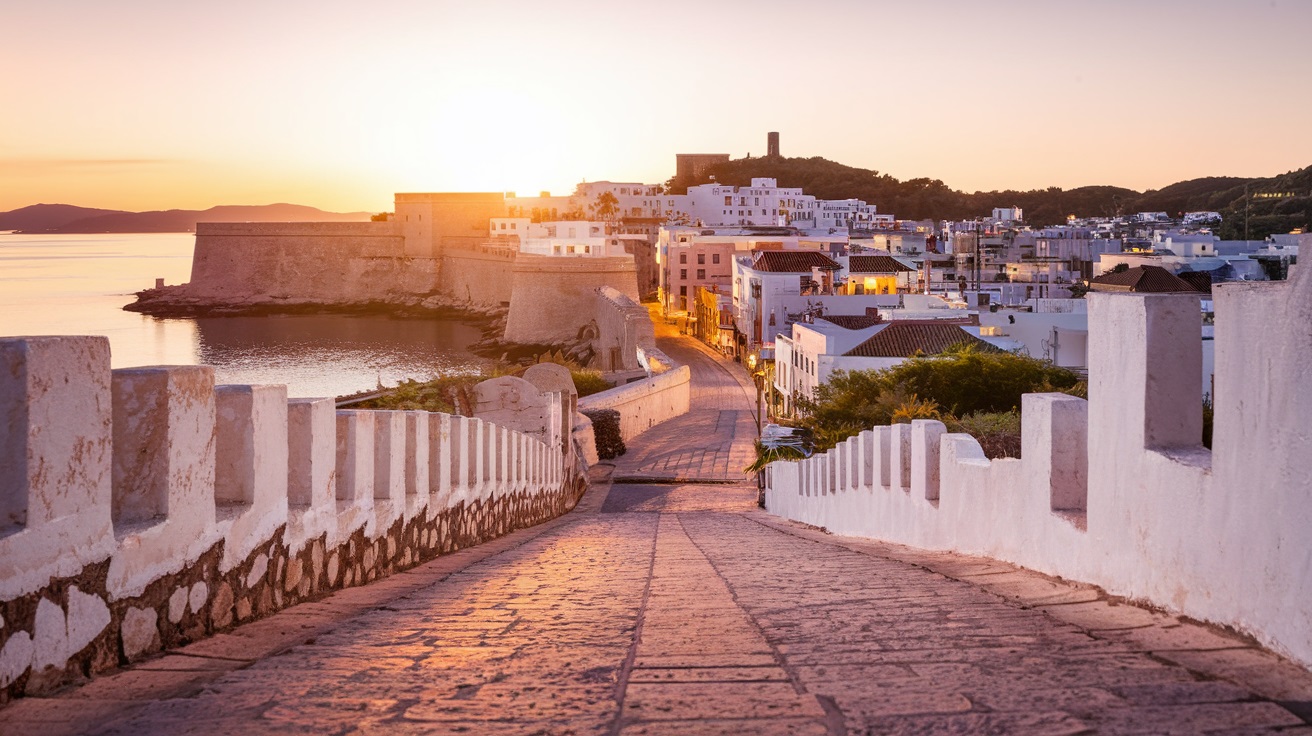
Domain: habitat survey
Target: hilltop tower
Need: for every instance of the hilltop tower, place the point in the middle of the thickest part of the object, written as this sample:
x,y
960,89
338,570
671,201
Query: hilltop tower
x,y
772,144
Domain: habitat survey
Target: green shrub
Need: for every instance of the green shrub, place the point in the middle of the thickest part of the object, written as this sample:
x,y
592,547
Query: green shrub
x,y
962,382
606,432
588,382
448,394
998,433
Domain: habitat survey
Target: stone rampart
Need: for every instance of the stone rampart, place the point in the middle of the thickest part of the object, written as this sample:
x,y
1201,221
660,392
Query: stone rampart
x,y
555,298
477,276
305,263
627,340
145,508
1118,491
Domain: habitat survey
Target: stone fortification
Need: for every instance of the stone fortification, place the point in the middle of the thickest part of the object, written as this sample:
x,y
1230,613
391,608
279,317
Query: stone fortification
x,y
240,266
145,508
477,276
625,333
1118,491
556,298
429,221
432,255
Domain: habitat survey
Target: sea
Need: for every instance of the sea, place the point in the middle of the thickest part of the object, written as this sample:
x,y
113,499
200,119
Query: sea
x,y
78,284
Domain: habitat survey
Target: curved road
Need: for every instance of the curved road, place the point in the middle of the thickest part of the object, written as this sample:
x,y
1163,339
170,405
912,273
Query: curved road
x,y
681,608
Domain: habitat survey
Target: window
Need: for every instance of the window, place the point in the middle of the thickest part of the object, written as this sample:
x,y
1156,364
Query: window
x,y
715,258
701,274
683,258
683,291
701,259
683,273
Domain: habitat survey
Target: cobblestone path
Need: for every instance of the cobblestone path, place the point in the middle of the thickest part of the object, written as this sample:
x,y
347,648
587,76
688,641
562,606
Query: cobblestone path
x,y
713,441
681,608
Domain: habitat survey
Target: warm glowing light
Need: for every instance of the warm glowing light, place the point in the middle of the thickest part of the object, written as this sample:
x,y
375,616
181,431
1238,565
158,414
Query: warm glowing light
x,y
143,105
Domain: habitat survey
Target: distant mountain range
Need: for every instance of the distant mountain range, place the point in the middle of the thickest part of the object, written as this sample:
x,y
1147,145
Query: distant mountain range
x,y
1275,204
66,218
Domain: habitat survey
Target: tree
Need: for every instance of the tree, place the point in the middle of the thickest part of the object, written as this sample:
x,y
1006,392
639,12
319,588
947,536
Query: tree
x,y
960,383
606,207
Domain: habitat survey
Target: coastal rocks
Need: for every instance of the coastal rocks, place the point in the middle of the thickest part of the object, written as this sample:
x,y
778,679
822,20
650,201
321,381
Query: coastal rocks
x,y
183,301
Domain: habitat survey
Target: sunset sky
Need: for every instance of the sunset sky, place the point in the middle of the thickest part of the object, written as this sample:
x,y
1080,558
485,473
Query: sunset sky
x,y
156,104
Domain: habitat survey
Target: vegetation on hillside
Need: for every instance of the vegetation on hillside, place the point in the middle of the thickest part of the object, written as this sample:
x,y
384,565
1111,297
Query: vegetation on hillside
x,y
924,198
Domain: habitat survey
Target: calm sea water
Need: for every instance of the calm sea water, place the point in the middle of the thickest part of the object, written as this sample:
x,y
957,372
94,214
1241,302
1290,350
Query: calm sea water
x,y
78,284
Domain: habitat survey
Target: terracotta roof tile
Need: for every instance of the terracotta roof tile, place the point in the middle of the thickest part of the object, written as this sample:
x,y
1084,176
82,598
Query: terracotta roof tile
x,y
876,264
1143,280
905,339
793,261
1200,280
852,321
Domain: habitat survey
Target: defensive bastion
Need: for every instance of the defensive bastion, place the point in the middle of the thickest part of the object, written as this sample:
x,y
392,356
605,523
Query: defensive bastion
x,y
433,255
1118,491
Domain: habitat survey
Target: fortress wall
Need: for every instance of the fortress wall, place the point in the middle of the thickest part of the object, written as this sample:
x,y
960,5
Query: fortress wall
x,y
320,262
556,297
427,218
144,508
625,334
1118,491
477,276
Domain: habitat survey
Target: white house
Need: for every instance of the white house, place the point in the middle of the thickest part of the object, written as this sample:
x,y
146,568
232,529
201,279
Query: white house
x,y
803,357
564,238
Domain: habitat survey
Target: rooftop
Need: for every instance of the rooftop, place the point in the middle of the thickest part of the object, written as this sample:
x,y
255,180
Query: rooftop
x,y
793,261
852,321
907,339
876,264
1142,279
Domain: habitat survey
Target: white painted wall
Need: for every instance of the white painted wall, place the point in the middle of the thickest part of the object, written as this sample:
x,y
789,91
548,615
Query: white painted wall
x,y
153,466
1118,491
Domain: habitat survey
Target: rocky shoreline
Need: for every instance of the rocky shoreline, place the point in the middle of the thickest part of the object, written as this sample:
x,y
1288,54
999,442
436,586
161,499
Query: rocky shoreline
x,y
174,302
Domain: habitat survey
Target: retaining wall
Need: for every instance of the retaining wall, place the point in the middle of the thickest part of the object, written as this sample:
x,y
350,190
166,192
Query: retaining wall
x,y
646,403
145,508
1118,491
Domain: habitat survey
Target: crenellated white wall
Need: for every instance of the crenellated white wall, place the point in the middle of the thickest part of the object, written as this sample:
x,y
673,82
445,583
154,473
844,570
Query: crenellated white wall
x,y
146,506
1118,491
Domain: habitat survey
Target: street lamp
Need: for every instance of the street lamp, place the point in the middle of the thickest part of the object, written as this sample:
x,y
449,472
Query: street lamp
x,y
756,378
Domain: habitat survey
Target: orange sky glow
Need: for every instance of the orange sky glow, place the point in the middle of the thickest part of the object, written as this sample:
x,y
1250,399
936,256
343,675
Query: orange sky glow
x,y
145,104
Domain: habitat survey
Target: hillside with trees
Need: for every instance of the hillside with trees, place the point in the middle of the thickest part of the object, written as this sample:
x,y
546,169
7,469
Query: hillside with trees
x,y
1275,204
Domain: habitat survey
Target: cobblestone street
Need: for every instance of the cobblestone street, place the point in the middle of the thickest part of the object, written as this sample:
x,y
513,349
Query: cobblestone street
x,y
681,608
